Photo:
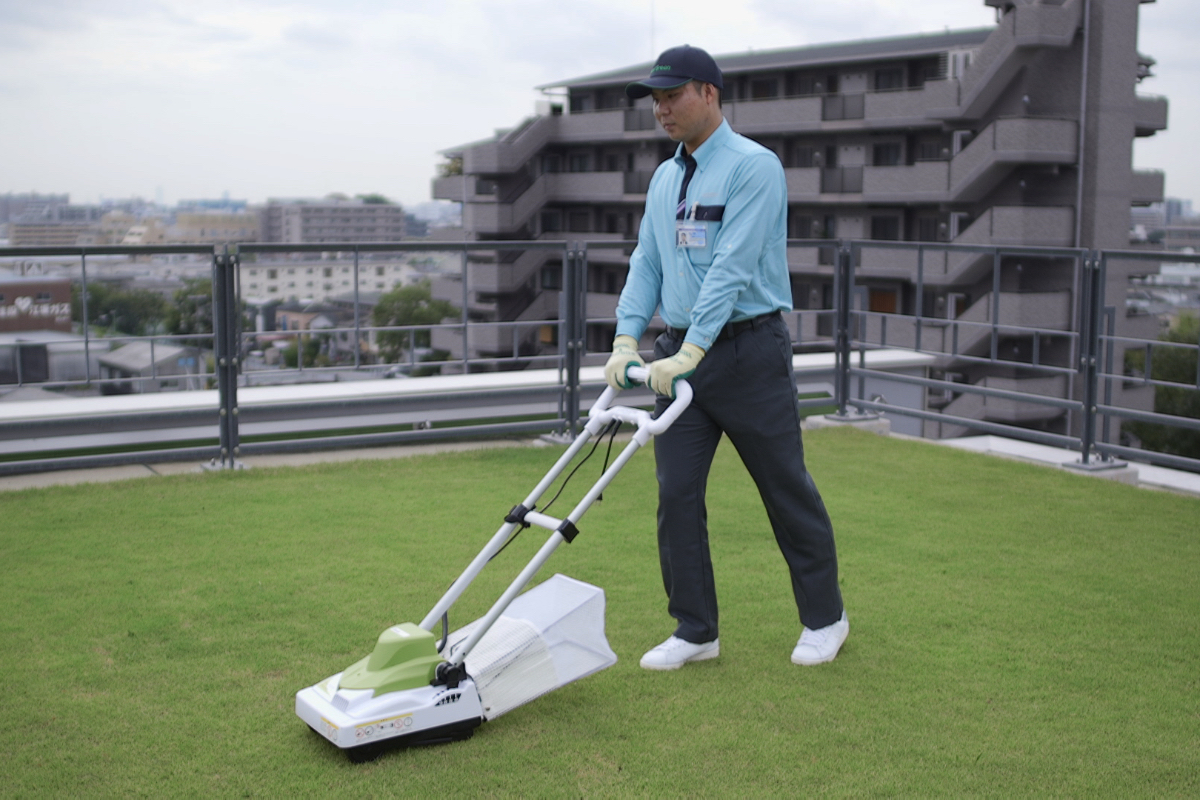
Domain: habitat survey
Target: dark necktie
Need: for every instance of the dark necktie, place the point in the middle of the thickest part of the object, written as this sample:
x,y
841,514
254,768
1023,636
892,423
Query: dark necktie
x,y
689,169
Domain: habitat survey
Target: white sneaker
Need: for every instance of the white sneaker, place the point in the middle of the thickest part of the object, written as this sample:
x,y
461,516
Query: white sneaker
x,y
821,645
675,652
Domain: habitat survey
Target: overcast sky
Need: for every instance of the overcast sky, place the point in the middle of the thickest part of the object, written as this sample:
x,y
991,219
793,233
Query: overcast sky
x,y
175,99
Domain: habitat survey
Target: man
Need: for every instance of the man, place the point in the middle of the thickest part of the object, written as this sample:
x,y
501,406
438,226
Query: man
x,y
712,254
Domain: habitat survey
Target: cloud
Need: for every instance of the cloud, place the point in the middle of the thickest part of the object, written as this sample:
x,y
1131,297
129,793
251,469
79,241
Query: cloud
x,y
296,97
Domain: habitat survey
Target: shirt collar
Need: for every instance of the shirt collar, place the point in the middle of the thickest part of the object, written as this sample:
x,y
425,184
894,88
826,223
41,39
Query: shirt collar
x,y
705,152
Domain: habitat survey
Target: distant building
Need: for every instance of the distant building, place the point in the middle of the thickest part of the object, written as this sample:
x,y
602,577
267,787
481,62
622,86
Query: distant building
x,y
15,205
35,304
147,366
332,220
56,226
215,227
415,228
42,356
320,280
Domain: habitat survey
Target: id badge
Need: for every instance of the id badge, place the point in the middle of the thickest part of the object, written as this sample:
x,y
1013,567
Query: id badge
x,y
690,234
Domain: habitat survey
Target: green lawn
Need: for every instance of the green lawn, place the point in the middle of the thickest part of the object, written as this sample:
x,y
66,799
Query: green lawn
x,y
1015,630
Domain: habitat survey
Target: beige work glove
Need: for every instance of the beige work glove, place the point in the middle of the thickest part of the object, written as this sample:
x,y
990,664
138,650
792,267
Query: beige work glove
x,y
665,371
624,355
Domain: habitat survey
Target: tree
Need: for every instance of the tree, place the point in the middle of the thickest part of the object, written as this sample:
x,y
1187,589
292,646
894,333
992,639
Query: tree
x,y
408,305
312,353
374,199
134,312
1175,365
192,312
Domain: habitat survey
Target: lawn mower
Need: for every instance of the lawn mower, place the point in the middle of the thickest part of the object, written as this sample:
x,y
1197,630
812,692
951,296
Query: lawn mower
x,y
413,689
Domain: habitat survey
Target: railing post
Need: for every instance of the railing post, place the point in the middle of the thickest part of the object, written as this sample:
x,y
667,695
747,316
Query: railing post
x,y
1091,319
843,290
226,353
357,316
574,292
466,317
87,329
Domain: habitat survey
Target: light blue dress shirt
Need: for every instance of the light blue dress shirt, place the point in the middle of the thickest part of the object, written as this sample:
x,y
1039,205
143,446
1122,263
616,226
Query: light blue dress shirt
x,y
741,271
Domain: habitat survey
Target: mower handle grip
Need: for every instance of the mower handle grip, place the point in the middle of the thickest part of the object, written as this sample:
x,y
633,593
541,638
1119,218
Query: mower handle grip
x,y
651,426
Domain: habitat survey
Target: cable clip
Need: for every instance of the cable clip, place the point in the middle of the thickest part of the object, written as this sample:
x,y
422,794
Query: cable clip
x,y
517,515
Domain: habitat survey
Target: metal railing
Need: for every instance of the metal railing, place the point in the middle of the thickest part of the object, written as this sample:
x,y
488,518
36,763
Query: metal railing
x,y
1043,366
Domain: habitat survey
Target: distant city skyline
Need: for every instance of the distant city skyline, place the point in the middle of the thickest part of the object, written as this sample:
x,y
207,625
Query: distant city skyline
x,y
167,101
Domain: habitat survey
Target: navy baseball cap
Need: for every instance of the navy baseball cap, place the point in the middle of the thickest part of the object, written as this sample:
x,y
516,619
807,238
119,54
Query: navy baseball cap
x,y
675,67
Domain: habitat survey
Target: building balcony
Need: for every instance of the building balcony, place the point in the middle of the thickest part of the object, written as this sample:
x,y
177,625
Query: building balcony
x,y
924,181
995,152
591,126
1147,186
765,116
585,187
1149,114
1021,315
905,106
451,187
1033,226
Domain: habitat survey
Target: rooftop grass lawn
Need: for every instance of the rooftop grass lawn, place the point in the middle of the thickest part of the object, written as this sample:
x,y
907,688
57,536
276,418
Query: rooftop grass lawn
x,y
1014,630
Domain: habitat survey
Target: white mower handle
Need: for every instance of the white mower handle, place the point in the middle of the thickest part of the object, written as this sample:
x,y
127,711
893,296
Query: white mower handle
x,y
601,412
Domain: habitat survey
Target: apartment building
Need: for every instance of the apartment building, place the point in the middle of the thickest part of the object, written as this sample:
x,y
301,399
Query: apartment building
x,y
332,220
319,281
215,227
55,226
14,204
1018,134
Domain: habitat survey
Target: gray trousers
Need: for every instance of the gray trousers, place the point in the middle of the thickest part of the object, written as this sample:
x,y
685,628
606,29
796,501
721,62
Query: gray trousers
x,y
744,387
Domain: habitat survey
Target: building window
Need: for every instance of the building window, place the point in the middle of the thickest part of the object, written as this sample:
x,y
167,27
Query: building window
x,y
885,154
802,156
887,80
578,162
551,222
927,229
801,84
551,278
885,228
272,274
579,222
763,88
803,226
930,150
379,272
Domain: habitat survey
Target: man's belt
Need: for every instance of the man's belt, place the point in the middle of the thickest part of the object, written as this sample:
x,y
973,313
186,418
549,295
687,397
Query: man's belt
x,y
731,329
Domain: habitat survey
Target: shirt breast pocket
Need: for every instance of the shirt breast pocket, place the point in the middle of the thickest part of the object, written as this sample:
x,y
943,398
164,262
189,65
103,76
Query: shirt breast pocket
x,y
709,217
